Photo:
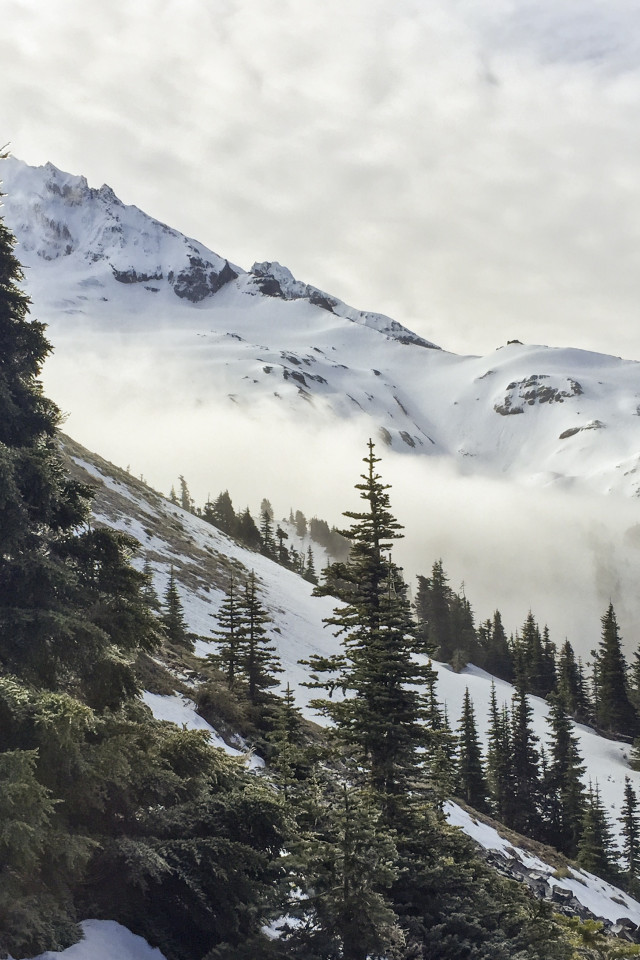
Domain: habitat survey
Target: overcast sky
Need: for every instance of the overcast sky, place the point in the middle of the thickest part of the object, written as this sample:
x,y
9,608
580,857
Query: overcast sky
x,y
470,167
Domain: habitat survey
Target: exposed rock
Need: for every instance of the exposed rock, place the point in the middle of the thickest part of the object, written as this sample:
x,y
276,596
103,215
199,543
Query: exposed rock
x,y
532,390
201,279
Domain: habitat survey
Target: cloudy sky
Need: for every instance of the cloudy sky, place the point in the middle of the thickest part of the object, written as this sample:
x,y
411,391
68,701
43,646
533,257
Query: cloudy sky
x,y
469,167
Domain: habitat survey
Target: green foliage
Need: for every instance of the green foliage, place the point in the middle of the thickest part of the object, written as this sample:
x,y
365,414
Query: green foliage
x,y
173,616
471,781
614,711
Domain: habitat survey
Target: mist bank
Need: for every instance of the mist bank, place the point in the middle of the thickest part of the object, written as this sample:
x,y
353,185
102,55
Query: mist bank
x,y
513,545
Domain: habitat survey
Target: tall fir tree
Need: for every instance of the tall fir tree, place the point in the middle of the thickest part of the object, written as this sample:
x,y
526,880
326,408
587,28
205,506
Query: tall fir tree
x,y
173,615
525,815
630,830
471,780
614,710
596,844
230,634
562,783
259,661
380,721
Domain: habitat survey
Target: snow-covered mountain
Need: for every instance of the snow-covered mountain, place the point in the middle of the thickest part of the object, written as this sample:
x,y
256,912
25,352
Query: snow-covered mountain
x,y
174,360
223,337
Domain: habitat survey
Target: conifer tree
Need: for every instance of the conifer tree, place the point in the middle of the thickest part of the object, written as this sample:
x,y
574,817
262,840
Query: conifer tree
x,y
614,711
562,783
289,759
267,543
630,838
247,531
432,609
258,658
282,554
186,501
471,781
496,656
301,524
596,841
525,758
310,568
380,721
230,634
499,766
570,684
350,856
173,615
149,594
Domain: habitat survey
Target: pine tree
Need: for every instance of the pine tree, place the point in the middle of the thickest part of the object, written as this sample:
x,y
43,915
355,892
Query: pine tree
x,y
289,758
499,755
258,658
149,594
432,609
282,554
570,684
310,569
562,783
230,634
596,841
301,524
525,757
630,838
247,531
173,616
496,656
614,711
380,722
267,543
350,857
186,501
471,781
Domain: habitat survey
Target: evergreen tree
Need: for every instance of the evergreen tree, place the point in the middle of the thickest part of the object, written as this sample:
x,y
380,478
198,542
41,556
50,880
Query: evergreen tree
x,y
221,514
614,711
350,857
230,634
525,757
148,591
173,616
301,524
496,656
562,783
289,758
247,531
570,684
186,501
471,781
267,543
258,658
282,554
432,609
310,569
499,755
630,838
380,722
596,841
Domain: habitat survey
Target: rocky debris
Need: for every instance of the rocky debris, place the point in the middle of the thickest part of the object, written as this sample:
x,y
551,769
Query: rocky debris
x,y
133,276
564,901
571,432
532,390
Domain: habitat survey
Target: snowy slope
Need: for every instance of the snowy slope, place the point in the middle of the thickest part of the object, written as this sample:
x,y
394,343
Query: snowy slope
x,y
202,557
128,298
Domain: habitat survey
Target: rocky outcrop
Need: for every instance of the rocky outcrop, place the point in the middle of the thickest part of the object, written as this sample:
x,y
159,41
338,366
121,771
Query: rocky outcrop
x,y
534,390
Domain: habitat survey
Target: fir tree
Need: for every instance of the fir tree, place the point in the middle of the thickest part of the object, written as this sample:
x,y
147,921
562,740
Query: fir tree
x,y
380,722
301,524
149,594
562,784
525,757
630,838
499,756
289,757
247,531
496,656
596,841
258,658
471,781
186,501
432,609
570,684
267,543
230,634
173,616
614,711
282,554
310,569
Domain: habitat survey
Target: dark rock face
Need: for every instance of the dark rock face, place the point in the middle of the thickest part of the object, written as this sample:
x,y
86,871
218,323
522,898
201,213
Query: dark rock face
x,y
532,391
132,276
200,279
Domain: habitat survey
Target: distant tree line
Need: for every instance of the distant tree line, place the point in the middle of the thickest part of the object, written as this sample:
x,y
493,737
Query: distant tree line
x,y
605,693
